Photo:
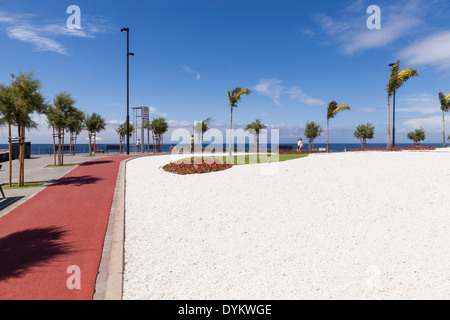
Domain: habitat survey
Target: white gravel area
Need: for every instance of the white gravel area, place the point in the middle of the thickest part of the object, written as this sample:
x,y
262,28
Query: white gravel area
x,y
354,225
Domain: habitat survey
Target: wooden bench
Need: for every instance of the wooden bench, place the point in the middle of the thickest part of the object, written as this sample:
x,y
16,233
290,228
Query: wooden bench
x,y
285,148
112,148
64,148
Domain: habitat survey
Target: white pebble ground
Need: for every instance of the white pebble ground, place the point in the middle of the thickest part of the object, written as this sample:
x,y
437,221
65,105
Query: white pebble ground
x,y
363,225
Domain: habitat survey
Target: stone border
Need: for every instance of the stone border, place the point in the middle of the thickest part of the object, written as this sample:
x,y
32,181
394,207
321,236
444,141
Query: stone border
x,y
109,282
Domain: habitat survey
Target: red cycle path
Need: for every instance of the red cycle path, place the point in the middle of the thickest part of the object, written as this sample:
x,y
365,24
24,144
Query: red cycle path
x,y
64,225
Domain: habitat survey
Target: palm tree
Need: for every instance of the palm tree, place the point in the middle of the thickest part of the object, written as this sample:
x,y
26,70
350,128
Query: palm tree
x,y
332,110
58,116
94,124
75,124
158,126
201,127
7,109
255,128
396,80
27,100
312,131
445,107
417,136
122,132
364,132
234,98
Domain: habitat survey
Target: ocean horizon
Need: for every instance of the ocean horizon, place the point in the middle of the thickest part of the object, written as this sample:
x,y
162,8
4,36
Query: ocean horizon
x,y
47,148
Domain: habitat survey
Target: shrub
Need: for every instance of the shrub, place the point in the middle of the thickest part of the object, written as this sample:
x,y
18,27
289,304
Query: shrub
x,y
193,168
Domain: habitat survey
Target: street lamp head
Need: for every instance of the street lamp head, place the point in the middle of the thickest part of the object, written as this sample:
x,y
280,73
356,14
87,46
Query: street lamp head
x,y
131,54
124,30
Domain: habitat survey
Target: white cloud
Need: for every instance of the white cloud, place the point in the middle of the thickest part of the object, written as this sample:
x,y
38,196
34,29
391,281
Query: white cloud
x,y
42,36
297,94
270,88
273,89
40,43
190,71
155,111
115,121
347,29
432,51
421,103
369,109
431,124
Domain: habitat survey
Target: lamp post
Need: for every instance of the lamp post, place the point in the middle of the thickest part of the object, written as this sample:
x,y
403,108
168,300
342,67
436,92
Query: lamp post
x,y
393,115
127,31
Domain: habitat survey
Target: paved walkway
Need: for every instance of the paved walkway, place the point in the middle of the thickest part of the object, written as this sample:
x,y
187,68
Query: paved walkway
x,y
59,230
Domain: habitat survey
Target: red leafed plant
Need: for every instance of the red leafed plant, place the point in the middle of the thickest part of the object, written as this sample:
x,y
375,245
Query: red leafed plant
x,y
183,168
396,148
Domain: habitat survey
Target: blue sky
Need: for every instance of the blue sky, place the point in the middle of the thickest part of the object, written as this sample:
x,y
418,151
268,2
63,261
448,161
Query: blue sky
x,y
295,56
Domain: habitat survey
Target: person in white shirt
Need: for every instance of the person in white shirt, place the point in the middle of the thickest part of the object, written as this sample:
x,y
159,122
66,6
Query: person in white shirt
x,y
299,145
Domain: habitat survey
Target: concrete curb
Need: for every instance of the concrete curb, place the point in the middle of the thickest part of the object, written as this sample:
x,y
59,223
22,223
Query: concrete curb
x,y
109,283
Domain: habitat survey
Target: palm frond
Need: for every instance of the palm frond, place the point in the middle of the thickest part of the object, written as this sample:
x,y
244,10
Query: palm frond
x,y
235,95
334,109
445,103
447,98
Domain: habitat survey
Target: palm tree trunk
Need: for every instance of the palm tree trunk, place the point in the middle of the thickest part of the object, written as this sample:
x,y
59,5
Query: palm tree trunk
x,y
75,143
443,129
70,142
62,148
59,147
54,148
148,140
231,128
22,158
10,154
95,143
327,133
388,146
90,147
19,179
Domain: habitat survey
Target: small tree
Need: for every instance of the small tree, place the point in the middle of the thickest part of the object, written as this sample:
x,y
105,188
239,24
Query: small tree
x,y
201,127
7,110
364,132
122,132
75,124
397,79
417,136
312,131
27,100
58,116
234,97
255,128
332,110
158,126
94,124
445,107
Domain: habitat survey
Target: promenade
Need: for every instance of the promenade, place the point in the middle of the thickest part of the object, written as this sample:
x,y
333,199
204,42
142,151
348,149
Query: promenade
x,y
51,238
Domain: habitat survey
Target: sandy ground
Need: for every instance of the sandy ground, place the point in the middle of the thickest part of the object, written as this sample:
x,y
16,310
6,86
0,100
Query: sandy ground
x,y
371,225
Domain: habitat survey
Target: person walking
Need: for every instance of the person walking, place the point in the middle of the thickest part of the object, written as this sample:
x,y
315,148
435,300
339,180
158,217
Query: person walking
x,y
192,144
300,145
138,144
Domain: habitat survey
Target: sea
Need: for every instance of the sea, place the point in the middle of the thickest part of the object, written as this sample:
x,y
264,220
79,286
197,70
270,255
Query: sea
x,y
37,149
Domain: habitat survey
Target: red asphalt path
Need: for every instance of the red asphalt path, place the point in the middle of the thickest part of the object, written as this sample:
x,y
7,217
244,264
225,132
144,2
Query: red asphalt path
x,y
64,225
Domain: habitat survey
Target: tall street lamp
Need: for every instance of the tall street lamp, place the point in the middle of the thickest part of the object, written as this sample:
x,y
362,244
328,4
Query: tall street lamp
x,y
393,115
127,31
